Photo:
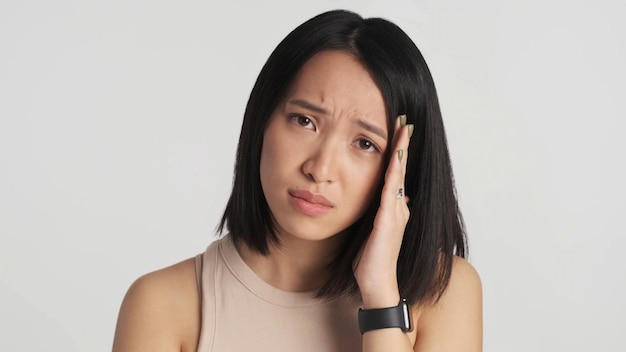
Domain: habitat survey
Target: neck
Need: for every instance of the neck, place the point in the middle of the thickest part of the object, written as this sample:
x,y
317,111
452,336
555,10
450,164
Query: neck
x,y
296,265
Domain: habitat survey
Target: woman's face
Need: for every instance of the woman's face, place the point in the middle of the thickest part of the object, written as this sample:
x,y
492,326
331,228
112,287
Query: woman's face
x,y
323,148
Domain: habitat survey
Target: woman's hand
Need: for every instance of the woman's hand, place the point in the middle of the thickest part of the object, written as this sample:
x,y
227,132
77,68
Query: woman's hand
x,y
375,268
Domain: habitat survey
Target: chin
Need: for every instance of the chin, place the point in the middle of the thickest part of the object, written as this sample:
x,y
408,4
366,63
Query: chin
x,y
307,232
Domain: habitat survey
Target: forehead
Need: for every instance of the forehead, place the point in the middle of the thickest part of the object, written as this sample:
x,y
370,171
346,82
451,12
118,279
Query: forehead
x,y
339,83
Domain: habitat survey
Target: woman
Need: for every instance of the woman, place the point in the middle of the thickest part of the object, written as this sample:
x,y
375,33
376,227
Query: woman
x,y
339,234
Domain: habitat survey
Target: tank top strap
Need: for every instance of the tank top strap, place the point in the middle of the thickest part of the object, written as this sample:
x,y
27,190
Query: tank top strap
x,y
199,274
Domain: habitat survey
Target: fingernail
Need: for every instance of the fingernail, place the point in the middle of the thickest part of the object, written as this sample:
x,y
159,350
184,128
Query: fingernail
x,y
411,127
400,154
402,120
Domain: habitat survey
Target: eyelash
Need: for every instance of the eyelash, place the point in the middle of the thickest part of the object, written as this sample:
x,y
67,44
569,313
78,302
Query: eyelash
x,y
299,118
372,145
304,121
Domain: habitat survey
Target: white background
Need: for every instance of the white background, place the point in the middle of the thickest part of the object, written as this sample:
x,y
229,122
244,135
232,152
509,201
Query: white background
x,y
119,122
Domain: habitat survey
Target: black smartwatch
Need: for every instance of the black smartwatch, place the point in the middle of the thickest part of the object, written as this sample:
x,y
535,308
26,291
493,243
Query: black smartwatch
x,y
383,318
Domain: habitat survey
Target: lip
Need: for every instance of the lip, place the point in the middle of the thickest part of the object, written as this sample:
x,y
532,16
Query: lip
x,y
309,203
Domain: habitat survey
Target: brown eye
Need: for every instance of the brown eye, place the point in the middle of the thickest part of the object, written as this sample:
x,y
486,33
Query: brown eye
x,y
303,121
366,145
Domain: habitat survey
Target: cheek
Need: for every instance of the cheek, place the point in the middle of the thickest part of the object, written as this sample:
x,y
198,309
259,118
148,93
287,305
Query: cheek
x,y
365,179
276,157
266,163
269,148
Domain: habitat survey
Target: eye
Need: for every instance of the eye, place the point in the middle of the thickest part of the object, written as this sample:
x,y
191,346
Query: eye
x,y
367,145
303,121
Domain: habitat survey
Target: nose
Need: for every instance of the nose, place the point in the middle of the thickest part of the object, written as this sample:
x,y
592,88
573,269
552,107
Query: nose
x,y
321,165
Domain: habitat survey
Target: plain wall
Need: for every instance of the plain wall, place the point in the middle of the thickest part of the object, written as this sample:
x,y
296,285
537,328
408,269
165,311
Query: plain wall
x,y
119,122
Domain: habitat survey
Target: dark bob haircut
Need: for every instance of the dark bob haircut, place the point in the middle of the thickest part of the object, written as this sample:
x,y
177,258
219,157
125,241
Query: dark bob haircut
x,y
435,230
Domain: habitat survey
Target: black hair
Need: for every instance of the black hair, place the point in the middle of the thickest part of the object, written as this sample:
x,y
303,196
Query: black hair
x,y
435,231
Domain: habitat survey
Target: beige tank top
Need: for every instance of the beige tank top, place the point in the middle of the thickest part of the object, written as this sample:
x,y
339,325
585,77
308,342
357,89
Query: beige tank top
x,y
241,312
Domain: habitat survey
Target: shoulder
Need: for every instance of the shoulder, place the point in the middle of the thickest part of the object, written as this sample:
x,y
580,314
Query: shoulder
x,y
464,280
160,311
454,322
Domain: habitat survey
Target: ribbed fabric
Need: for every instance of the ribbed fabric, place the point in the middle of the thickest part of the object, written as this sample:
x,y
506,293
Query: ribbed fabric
x,y
241,312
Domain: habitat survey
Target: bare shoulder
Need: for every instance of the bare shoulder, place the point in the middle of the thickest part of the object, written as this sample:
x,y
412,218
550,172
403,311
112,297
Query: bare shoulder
x,y
454,323
160,311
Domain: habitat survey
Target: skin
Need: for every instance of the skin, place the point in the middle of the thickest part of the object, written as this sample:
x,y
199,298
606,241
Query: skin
x,y
321,138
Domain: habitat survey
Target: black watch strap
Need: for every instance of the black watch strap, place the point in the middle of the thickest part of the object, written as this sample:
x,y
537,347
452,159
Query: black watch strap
x,y
383,318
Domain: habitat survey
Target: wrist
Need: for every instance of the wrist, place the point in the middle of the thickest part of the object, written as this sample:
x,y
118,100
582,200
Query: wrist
x,y
398,316
380,299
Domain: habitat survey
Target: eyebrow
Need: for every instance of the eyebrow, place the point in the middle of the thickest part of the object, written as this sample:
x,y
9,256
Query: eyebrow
x,y
374,129
305,104
362,123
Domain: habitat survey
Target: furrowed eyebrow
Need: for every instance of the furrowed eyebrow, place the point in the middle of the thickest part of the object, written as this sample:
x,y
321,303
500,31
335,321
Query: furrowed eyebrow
x,y
305,104
374,129
362,123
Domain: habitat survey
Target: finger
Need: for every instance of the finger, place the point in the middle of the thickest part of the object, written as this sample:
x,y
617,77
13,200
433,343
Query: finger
x,y
405,199
396,170
409,132
404,137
